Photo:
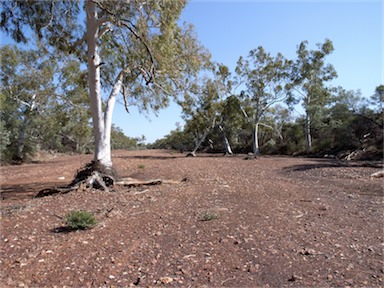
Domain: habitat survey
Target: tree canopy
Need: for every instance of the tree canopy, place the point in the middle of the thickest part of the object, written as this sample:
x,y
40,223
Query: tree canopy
x,y
135,49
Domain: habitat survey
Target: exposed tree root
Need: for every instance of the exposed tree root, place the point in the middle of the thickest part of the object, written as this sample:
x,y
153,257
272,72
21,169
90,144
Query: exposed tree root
x,y
87,173
94,175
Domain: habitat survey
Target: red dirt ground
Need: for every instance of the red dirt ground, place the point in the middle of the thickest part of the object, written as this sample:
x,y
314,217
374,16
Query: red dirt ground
x,y
277,221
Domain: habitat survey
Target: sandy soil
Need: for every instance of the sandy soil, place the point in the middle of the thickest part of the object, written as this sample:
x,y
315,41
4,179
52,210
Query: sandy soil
x,y
269,222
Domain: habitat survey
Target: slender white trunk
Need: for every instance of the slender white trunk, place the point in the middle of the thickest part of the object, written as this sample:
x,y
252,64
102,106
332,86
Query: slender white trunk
x,y
108,118
255,132
199,142
308,137
102,139
227,146
228,149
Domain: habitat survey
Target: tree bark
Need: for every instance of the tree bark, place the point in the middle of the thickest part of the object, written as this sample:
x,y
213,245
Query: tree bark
x,y
199,142
101,121
227,146
255,135
308,137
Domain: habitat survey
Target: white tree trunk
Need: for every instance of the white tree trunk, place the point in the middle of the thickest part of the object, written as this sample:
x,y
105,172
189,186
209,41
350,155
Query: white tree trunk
x,y
255,132
199,142
101,122
228,149
308,137
227,146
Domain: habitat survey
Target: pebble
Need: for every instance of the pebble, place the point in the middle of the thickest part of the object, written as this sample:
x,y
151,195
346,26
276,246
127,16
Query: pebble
x,y
253,268
294,278
166,280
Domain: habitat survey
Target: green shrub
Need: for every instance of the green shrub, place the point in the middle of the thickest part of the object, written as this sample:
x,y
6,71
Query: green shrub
x,y
207,216
80,220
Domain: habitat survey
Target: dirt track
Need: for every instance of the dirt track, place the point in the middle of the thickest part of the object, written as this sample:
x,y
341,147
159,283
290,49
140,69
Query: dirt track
x,y
278,221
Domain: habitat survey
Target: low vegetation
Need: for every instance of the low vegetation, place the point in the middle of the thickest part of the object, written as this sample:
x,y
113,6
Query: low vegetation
x,y
80,220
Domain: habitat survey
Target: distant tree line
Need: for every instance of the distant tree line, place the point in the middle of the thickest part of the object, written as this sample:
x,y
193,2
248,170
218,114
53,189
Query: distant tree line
x,y
334,122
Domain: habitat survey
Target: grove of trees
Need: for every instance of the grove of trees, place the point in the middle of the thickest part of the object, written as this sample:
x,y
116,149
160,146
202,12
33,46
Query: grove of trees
x,y
60,92
256,108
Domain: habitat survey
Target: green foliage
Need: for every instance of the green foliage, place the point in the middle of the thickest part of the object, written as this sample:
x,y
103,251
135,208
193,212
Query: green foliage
x,y
120,141
178,139
4,140
80,220
308,80
266,79
37,111
207,215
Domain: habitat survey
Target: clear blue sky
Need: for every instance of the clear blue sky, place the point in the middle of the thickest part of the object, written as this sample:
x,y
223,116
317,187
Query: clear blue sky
x,y
230,29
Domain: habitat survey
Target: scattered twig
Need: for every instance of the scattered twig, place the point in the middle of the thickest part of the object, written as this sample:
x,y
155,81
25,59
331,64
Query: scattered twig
x,y
131,182
228,279
141,192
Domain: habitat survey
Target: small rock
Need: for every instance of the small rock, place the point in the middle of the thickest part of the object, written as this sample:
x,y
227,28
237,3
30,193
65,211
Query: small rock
x,y
10,282
308,252
294,278
166,280
253,268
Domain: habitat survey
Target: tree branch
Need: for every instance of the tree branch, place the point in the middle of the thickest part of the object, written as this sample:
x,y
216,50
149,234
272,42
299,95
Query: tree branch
x,y
272,128
78,42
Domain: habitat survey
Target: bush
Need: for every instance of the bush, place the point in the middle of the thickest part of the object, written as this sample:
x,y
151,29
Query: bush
x,y
80,220
207,216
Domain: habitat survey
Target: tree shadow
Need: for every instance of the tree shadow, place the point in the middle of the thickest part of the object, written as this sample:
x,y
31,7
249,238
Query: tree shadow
x,y
334,163
63,230
148,157
25,191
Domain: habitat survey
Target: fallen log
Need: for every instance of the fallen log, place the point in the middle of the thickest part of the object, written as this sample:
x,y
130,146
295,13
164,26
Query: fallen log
x,y
131,182
378,174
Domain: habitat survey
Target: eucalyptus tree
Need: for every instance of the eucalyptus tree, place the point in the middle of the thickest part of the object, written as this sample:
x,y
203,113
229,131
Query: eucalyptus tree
x,y
210,107
26,91
69,125
131,48
44,103
228,109
266,83
200,111
309,75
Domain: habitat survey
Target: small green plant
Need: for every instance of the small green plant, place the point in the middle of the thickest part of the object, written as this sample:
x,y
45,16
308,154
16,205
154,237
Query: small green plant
x,y
207,216
80,220
141,166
